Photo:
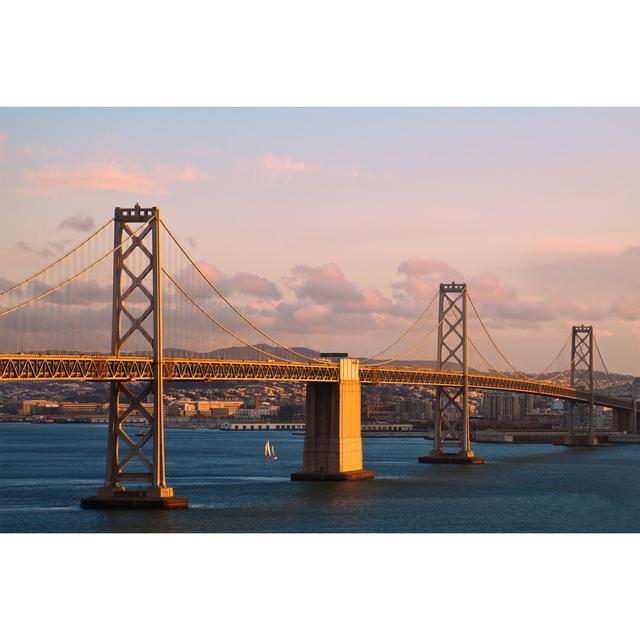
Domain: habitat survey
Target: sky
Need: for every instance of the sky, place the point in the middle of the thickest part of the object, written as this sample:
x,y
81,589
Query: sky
x,y
333,226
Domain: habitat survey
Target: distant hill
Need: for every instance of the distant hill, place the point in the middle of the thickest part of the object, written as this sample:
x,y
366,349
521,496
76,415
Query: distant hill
x,y
244,353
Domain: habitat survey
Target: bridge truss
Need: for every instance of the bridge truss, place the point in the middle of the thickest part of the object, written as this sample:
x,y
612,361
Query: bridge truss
x,y
138,369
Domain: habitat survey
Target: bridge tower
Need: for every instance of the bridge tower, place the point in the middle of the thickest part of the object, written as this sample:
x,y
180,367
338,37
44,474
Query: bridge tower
x,y
582,378
137,313
451,442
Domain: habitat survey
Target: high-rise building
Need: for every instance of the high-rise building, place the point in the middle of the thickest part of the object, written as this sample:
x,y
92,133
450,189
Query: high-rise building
x,y
415,409
506,406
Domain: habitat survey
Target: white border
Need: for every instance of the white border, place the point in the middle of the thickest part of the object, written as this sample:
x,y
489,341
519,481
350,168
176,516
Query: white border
x,y
336,52
318,587
330,53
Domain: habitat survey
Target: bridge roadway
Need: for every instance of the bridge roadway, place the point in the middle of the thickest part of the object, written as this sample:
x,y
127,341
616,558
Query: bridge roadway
x,y
93,368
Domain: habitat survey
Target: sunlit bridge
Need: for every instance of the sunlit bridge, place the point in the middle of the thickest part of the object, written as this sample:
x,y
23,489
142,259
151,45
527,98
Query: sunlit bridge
x,y
131,307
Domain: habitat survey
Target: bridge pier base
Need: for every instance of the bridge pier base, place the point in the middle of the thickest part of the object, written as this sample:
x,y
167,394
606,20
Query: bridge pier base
x,y
333,438
131,499
459,457
340,476
580,440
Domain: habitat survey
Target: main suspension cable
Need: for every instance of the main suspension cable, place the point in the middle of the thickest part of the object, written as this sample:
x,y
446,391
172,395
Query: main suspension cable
x,y
217,322
566,342
497,348
77,275
58,261
491,366
602,360
232,306
415,323
415,346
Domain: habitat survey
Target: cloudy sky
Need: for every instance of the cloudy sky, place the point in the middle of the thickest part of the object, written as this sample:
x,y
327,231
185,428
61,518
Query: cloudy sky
x,y
332,226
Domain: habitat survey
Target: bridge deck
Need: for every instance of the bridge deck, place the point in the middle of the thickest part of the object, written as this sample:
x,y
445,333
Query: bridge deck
x,y
107,368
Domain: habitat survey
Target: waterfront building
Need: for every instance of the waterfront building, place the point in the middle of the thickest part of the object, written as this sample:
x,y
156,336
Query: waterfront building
x,y
381,426
262,426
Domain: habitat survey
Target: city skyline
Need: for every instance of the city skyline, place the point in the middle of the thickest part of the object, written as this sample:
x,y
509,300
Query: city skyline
x,y
332,227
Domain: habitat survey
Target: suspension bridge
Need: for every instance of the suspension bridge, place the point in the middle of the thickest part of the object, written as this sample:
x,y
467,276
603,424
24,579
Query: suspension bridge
x,y
131,307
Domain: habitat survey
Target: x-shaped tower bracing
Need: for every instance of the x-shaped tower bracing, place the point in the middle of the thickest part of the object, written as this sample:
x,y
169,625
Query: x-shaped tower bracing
x,y
582,371
137,302
452,403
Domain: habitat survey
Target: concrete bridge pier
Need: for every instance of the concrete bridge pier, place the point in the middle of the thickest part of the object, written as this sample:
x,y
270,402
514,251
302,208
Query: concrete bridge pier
x,y
581,416
333,438
624,420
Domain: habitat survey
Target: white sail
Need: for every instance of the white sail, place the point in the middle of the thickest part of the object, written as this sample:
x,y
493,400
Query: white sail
x,y
269,451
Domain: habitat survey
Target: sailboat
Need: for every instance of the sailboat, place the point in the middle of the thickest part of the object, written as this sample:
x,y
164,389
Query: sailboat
x,y
270,451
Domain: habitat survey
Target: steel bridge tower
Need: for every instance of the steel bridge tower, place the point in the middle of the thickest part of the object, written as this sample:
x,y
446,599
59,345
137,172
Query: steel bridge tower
x,y
451,428
582,377
137,315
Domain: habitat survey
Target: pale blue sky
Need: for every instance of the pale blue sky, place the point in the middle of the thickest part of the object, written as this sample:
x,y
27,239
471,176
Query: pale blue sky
x,y
544,201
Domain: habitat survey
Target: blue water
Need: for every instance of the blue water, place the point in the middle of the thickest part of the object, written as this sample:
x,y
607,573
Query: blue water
x,y
46,469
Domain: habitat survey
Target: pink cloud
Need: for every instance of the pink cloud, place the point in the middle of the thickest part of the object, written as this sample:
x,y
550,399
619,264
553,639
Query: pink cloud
x,y
112,177
313,314
626,308
490,289
327,284
499,304
280,164
243,283
3,139
284,166
563,245
422,276
213,273
253,285
323,305
306,322
96,177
